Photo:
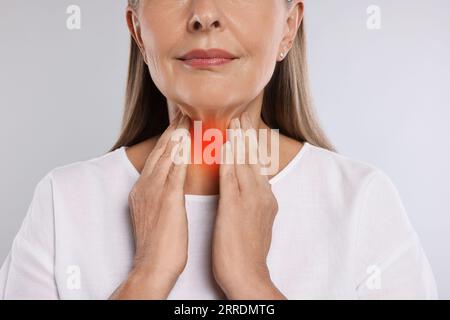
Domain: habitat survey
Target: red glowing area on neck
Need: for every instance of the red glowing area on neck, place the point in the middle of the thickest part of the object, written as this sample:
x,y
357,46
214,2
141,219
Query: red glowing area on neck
x,y
207,139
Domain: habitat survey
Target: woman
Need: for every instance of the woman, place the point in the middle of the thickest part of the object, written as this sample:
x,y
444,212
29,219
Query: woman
x,y
133,224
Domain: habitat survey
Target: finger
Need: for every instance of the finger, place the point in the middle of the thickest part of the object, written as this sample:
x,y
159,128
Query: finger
x,y
166,160
174,113
244,174
160,146
251,147
178,169
228,184
167,134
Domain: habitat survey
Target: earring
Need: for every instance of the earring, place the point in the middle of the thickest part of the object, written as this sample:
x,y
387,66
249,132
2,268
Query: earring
x,y
283,54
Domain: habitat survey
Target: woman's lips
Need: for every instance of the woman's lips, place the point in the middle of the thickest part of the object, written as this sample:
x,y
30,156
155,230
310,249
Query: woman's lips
x,y
206,62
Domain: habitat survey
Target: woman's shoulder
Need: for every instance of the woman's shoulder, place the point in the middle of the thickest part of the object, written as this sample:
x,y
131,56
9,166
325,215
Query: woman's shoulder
x,y
104,166
341,170
120,164
369,189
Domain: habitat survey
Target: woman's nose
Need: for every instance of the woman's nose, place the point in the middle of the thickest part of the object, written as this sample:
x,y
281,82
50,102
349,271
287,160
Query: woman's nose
x,y
205,16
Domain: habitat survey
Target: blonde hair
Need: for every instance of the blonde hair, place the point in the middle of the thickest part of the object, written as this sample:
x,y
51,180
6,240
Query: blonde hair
x,y
287,103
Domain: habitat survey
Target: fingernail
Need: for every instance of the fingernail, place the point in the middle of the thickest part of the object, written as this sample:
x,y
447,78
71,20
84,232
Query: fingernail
x,y
239,128
239,133
247,116
234,123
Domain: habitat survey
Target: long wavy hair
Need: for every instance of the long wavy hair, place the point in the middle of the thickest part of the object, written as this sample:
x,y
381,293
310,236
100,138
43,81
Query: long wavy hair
x,y
287,103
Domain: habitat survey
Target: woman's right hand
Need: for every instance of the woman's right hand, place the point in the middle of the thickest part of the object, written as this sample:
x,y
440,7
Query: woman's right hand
x,y
159,221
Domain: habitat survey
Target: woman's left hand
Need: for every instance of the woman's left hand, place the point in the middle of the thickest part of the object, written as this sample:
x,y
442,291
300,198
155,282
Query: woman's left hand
x,y
243,225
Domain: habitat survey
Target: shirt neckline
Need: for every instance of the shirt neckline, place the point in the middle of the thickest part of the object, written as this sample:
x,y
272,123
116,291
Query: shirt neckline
x,y
212,197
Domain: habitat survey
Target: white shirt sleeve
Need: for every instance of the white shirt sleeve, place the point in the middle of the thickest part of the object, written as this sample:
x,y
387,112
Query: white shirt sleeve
x,y
391,263
28,271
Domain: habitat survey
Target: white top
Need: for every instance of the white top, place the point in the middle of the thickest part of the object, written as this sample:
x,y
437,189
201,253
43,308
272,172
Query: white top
x,y
341,232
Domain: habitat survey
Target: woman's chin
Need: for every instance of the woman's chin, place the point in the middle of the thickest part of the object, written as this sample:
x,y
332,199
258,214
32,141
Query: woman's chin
x,y
206,111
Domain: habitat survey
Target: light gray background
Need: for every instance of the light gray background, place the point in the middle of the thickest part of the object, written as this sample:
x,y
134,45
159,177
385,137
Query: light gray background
x,y
383,97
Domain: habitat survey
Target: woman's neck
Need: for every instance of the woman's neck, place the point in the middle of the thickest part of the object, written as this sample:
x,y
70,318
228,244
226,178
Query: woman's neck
x,y
203,179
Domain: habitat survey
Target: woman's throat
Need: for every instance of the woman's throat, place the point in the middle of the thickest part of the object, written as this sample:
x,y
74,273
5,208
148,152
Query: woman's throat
x,y
204,155
207,139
